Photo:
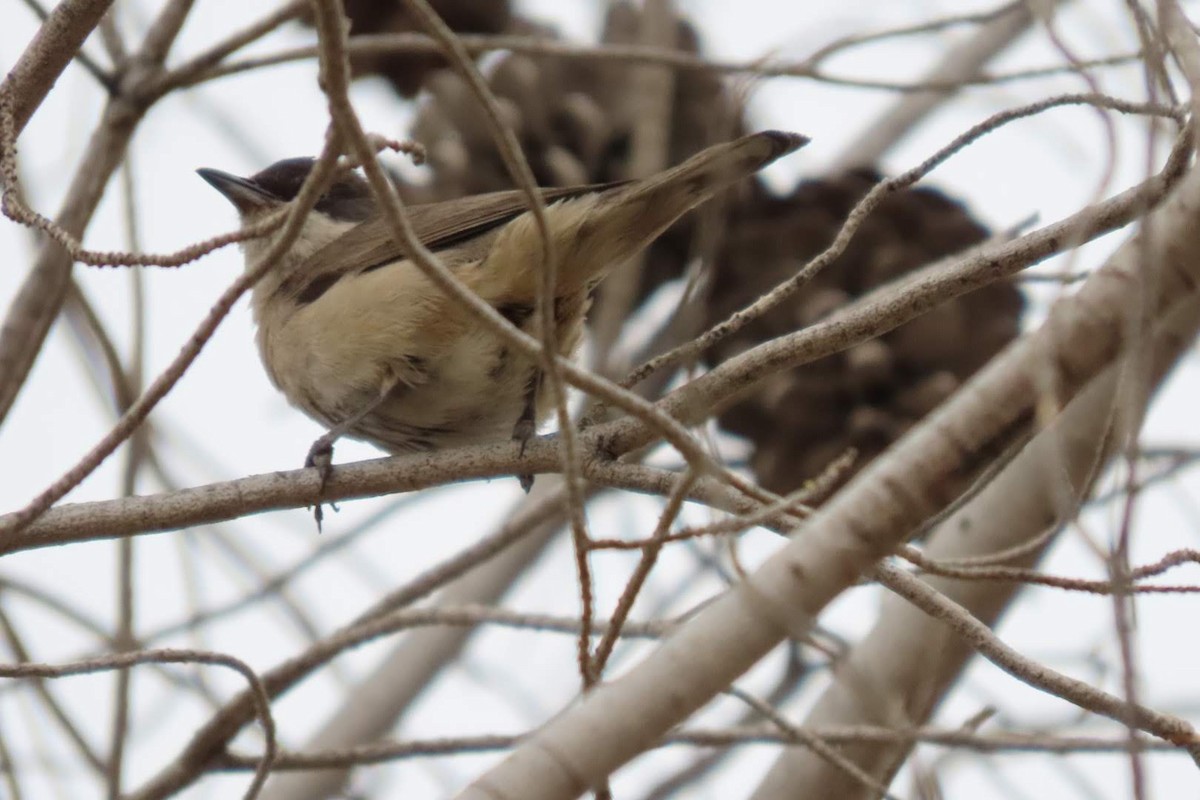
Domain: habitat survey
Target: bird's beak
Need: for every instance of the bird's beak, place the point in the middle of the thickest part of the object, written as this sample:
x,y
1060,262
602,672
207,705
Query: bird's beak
x,y
245,194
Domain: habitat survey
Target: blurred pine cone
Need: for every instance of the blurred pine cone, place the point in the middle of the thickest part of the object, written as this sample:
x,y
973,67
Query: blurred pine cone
x,y
407,71
868,396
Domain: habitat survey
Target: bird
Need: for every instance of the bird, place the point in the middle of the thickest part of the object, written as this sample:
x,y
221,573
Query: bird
x,y
355,335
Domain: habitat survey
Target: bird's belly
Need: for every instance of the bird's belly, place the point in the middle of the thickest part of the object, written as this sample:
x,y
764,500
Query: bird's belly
x,y
416,387
441,414
472,393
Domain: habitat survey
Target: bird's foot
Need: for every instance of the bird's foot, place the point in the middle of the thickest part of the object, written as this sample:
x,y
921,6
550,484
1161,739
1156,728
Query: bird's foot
x,y
522,432
320,457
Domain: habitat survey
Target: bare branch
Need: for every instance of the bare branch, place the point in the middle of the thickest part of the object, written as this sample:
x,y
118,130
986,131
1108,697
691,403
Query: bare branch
x,y
47,55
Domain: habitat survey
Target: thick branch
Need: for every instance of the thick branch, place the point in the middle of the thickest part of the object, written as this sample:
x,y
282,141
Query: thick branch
x,y
47,55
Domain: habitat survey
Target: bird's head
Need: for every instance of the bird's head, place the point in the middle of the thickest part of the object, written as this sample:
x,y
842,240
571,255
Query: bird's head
x,y
347,202
348,198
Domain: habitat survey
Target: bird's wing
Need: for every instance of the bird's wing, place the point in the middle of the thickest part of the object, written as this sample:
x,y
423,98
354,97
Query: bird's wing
x,y
436,225
441,225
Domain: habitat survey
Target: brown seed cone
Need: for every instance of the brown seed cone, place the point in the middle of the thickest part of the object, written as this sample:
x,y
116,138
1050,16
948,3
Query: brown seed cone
x,y
407,71
868,396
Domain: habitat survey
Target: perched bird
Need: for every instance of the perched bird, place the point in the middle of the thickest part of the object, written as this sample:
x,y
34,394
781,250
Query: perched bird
x,y
355,335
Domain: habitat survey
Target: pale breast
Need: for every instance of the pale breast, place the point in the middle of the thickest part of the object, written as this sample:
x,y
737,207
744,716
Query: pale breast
x,y
388,340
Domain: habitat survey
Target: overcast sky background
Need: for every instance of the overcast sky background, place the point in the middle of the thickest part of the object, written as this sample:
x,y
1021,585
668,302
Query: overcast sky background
x,y
225,421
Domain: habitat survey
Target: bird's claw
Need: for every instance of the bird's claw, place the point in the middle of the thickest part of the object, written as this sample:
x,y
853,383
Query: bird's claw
x,y
522,432
320,457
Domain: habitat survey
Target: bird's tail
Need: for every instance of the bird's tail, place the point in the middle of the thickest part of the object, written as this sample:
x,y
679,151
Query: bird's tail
x,y
596,232
665,197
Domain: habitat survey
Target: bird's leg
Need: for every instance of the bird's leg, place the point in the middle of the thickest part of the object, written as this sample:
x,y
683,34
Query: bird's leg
x,y
320,455
527,423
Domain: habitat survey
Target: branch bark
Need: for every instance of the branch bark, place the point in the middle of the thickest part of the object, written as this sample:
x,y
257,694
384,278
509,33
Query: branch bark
x,y
959,64
41,295
47,55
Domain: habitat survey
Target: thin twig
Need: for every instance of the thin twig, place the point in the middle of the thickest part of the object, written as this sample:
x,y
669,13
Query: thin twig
x,y
57,712
57,41
137,412
89,64
477,45
256,693
814,743
640,574
987,644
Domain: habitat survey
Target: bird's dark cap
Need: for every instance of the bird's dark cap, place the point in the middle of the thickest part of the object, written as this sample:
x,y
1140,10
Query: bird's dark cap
x,y
348,198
